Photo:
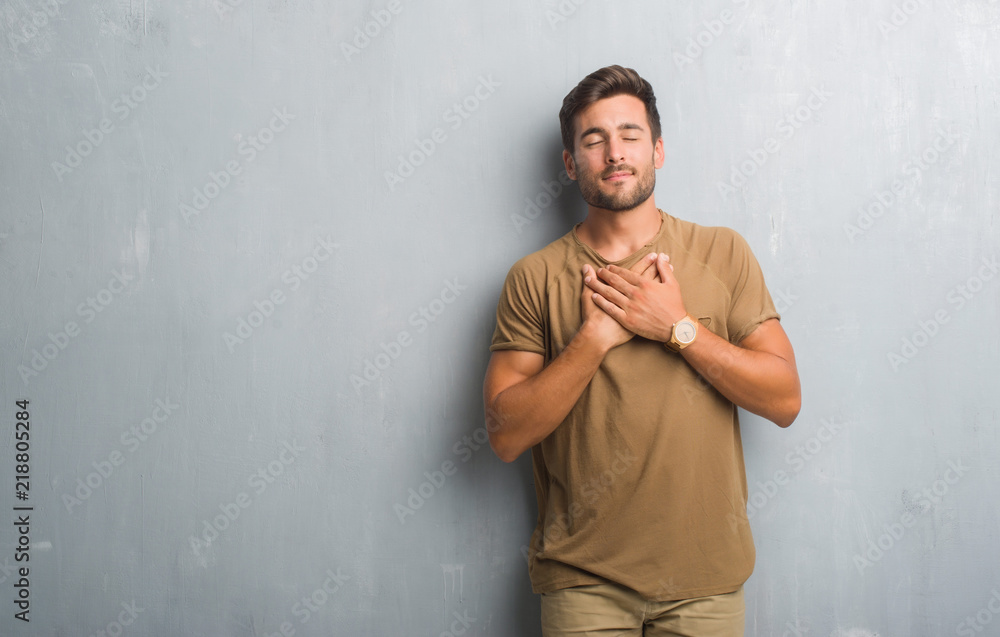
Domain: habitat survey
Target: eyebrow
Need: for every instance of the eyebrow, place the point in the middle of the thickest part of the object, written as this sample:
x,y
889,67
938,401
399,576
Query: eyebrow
x,y
598,130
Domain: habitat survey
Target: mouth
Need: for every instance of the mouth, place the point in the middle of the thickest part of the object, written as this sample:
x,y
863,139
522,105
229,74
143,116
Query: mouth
x,y
618,175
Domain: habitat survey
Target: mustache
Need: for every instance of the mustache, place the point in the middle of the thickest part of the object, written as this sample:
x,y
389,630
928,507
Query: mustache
x,y
617,169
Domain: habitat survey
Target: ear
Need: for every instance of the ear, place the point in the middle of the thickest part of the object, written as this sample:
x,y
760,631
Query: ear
x,y
658,154
570,164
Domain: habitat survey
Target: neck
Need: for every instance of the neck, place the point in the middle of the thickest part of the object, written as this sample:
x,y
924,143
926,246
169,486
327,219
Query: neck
x,y
616,235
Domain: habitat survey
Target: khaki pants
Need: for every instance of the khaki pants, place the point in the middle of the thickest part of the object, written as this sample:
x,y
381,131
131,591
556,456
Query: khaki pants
x,y
610,610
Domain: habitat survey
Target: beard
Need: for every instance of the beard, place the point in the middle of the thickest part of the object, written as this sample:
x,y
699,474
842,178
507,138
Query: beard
x,y
590,189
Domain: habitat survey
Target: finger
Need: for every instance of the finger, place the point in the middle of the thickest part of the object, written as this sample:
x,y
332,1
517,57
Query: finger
x,y
611,286
590,278
646,266
665,269
613,310
588,273
628,276
607,291
586,292
651,271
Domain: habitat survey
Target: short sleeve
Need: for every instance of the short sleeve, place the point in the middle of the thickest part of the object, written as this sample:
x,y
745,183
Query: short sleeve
x,y
520,324
750,303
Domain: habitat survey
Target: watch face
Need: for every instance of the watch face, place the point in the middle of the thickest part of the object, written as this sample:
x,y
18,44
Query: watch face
x,y
684,332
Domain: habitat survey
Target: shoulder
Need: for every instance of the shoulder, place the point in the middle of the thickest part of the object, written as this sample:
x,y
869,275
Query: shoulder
x,y
544,264
707,239
721,251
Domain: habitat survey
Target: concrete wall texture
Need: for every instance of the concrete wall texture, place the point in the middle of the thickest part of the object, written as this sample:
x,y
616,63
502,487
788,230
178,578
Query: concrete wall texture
x,y
251,254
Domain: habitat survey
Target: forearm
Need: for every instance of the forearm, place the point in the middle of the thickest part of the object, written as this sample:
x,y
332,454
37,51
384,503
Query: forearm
x,y
760,382
524,414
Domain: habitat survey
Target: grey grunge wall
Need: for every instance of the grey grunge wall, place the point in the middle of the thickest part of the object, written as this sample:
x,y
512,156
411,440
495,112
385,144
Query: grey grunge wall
x,y
251,252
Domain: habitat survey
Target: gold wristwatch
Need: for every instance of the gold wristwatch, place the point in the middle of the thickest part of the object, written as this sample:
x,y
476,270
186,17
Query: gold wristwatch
x,y
682,334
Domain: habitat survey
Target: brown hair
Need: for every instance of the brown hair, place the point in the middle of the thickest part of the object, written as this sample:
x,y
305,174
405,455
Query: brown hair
x,y
602,83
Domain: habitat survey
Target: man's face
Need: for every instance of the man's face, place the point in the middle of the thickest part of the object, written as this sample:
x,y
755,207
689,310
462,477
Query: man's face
x,y
616,158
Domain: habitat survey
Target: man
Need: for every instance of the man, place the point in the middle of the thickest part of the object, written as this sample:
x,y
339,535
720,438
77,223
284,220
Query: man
x,y
620,354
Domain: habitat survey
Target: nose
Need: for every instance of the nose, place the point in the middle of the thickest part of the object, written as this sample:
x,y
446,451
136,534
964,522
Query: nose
x,y
616,152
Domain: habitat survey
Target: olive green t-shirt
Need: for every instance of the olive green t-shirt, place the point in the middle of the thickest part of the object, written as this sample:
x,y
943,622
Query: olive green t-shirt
x,y
643,483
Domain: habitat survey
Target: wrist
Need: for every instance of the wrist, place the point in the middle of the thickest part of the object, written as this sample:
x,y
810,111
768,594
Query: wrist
x,y
589,336
683,333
